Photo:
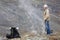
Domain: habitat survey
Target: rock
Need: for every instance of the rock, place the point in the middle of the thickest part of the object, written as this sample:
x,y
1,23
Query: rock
x,y
9,0
14,39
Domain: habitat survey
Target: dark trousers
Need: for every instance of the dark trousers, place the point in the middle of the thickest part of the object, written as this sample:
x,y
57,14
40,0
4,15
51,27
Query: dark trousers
x,y
47,27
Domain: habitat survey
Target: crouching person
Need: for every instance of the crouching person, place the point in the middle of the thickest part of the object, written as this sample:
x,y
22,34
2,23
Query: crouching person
x,y
13,34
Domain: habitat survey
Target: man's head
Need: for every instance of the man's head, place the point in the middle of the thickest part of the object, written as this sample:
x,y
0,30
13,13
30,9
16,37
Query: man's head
x,y
45,6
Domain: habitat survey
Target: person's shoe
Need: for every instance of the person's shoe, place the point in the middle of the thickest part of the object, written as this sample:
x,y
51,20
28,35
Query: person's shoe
x,y
9,36
51,31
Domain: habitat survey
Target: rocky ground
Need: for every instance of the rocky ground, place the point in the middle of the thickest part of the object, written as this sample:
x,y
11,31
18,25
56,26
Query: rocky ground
x,y
27,15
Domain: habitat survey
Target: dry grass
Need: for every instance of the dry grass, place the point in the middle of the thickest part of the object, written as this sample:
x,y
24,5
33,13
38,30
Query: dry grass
x,y
55,36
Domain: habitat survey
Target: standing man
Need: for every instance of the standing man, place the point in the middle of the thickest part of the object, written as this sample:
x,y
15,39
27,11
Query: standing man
x,y
47,18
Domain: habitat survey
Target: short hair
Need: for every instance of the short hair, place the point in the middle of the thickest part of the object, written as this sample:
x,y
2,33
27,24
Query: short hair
x,y
45,5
